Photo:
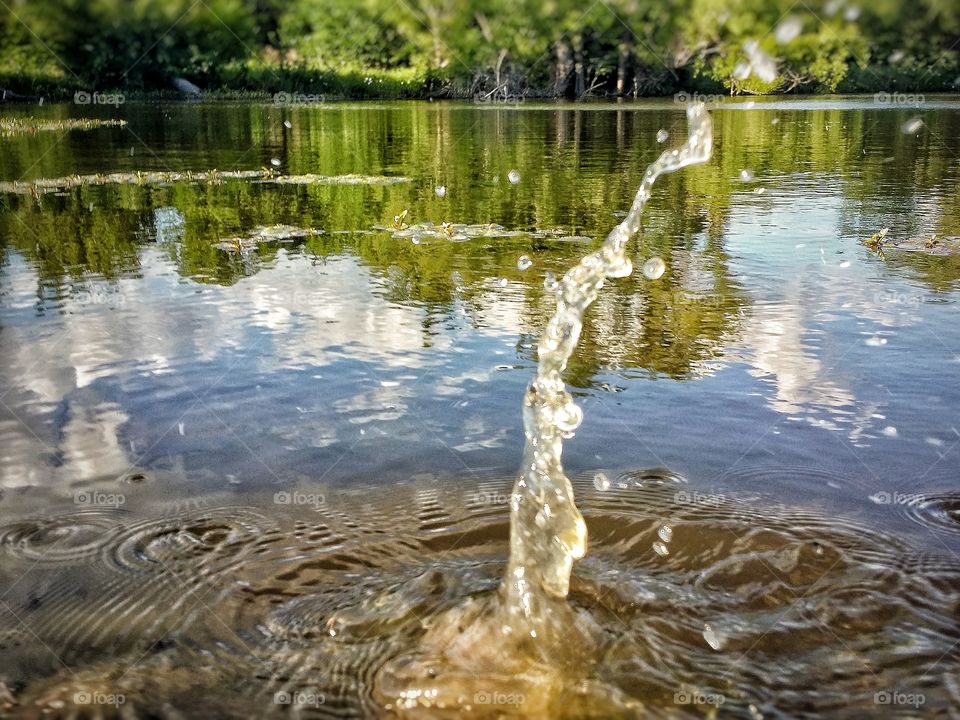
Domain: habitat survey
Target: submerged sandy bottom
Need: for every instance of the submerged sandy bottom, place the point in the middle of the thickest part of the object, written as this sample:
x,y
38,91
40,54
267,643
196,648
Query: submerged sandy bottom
x,y
274,609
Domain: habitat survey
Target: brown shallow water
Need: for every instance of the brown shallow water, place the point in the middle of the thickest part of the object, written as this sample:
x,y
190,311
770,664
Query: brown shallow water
x,y
253,440
222,610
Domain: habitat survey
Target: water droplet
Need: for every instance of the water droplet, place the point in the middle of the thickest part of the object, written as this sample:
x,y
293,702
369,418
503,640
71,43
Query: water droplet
x,y
91,207
660,549
845,264
746,175
415,240
896,56
524,262
503,282
876,341
662,135
441,191
890,431
287,124
275,162
711,637
550,283
666,533
759,191
654,268
775,121
131,152
912,126
851,13
788,29
513,176
601,482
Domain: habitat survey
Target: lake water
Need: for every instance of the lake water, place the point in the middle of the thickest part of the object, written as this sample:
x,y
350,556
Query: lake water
x,y
237,476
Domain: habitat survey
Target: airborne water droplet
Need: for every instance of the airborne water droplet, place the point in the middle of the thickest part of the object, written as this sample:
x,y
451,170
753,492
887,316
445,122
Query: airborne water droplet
x,y
524,262
662,135
550,282
654,268
441,191
601,482
660,549
746,175
851,13
275,162
513,176
503,282
711,637
287,124
666,533
912,126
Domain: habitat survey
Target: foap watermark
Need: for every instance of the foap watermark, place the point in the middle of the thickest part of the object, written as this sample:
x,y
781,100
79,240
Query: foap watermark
x,y
695,697
490,497
299,698
890,297
82,97
898,697
685,497
296,497
891,498
499,698
683,97
285,98
498,98
911,99
98,498
99,698
99,297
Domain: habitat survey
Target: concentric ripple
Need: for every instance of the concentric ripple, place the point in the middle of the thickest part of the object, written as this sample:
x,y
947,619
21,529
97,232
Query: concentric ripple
x,y
61,538
939,511
783,610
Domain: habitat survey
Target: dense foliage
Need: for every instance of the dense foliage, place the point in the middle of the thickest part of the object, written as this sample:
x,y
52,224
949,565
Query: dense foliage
x,y
491,49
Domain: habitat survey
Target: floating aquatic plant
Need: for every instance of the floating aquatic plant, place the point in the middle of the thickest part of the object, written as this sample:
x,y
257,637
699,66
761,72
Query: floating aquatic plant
x,y
267,234
29,126
266,175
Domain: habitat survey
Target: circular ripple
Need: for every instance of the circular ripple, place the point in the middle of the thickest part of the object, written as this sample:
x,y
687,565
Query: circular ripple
x,y
63,538
939,511
789,598
798,476
197,541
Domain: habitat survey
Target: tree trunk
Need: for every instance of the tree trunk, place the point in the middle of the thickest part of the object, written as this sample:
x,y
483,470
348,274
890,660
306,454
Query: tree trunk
x,y
623,63
578,66
564,67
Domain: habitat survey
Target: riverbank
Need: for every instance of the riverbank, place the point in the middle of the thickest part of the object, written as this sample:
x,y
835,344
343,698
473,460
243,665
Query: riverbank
x,y
294,85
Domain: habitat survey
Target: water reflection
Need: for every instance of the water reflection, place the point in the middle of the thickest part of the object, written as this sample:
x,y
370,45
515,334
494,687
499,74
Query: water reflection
x,y
775,352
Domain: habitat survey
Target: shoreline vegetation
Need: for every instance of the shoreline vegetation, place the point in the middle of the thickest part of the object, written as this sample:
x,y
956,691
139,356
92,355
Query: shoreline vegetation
x,y
484,50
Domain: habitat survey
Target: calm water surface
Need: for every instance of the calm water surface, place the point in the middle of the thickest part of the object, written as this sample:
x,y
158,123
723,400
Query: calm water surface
x,y
239,480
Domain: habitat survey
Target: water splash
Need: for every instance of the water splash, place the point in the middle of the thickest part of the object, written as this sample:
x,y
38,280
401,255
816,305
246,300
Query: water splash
x,y
512,643
547,530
